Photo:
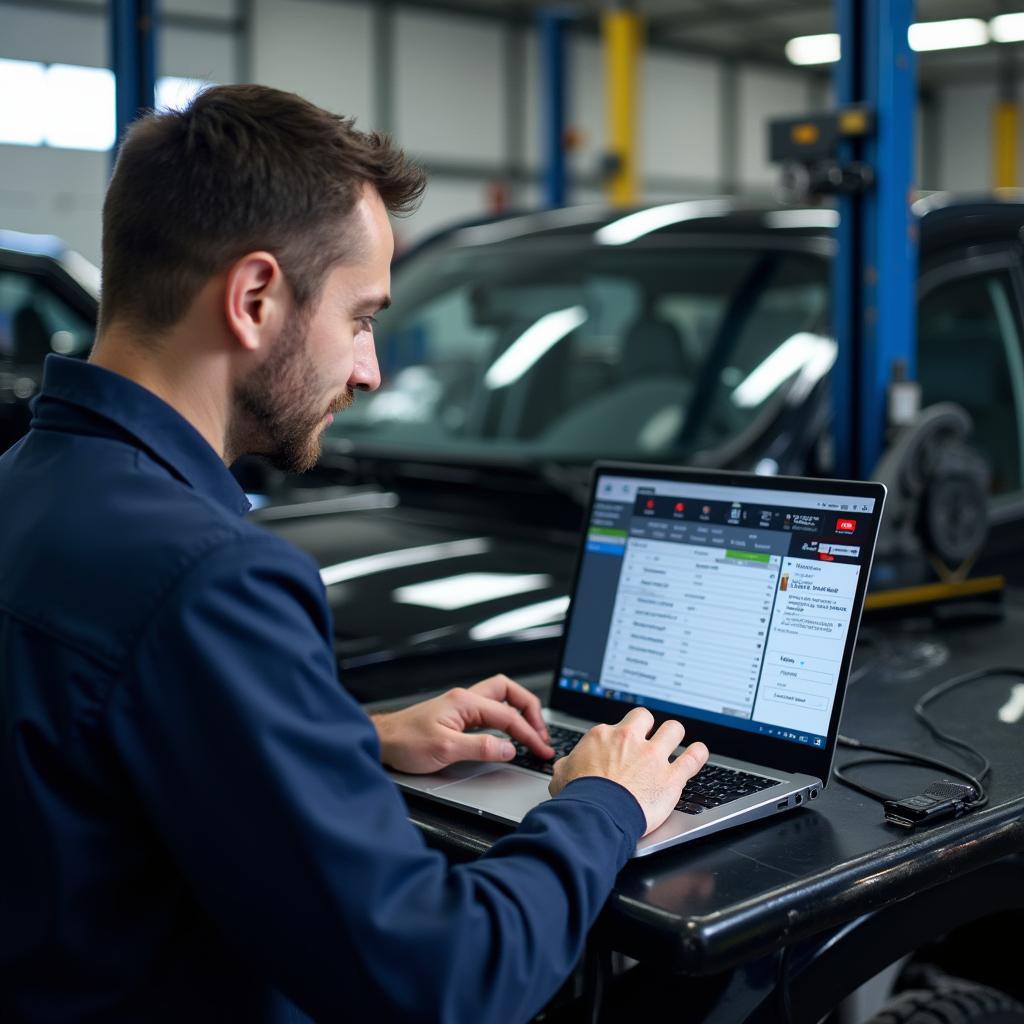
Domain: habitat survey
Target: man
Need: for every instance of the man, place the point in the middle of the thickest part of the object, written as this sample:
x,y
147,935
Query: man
x,y
196,822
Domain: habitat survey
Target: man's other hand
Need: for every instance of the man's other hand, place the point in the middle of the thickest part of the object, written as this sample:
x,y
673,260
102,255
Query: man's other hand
x,y
630,755
433,734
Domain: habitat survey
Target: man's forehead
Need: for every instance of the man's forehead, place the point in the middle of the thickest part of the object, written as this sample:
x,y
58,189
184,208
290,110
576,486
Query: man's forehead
x,y
370,227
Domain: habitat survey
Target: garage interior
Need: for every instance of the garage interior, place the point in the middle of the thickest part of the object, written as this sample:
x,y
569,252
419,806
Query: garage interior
x,y
768,245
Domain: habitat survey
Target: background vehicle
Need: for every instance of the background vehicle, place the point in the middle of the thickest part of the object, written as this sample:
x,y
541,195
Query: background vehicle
x,y
518,351
47,304
445,508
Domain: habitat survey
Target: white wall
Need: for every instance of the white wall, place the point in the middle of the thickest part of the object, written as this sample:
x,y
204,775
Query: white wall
x,y
965,145
54,192
763,95
65,38
965,136
448,87
321,49
60,191
196,53
680,129
448,105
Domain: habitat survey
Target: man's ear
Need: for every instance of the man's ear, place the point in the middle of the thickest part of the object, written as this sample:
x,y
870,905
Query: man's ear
x,y
256,298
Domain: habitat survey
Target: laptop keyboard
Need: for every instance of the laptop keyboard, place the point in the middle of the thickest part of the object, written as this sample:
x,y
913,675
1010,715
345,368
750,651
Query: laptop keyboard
x,y
712,786
563,740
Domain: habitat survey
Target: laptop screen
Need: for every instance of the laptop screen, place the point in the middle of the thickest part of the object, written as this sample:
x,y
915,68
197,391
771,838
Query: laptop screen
x,y
725,603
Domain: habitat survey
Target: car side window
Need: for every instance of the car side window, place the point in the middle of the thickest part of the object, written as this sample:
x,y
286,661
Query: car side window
x,y
34,321
969,352
782,342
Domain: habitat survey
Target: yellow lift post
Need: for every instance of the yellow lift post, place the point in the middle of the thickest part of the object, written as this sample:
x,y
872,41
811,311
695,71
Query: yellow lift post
x,y
1006,126
621,31
1005,132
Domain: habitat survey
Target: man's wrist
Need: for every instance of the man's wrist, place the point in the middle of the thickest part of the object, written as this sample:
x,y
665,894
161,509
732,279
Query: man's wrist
x,y
380,724
617,800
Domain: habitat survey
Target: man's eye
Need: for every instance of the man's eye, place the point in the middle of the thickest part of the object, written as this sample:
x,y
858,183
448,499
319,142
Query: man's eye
x,y
367,322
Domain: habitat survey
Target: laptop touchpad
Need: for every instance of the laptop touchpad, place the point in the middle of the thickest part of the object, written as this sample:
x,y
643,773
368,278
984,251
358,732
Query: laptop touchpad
x,y
504,792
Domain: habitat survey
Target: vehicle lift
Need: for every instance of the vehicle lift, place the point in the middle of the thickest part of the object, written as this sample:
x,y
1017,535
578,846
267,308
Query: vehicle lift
x,y
862,154
132,25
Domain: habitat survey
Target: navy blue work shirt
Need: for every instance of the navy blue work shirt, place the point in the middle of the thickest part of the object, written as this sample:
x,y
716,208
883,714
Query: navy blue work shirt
x,y
194,821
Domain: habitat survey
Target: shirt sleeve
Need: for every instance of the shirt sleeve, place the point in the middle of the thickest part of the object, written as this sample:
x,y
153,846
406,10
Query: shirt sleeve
x,y
262,776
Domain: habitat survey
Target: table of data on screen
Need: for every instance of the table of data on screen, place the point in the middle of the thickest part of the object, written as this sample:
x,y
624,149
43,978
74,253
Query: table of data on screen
x,y
689,624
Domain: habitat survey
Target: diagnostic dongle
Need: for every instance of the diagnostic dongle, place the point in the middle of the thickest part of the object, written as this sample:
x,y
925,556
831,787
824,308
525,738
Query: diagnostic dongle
x,y
940,800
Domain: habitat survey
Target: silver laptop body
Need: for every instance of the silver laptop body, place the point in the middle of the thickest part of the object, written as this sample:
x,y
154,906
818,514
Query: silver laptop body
x,y
726,600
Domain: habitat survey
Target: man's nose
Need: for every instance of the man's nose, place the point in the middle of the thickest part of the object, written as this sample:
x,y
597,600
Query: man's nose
x,y
365,371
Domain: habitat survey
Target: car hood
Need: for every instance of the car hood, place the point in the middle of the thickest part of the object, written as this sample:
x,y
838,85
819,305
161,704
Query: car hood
x,y
420,601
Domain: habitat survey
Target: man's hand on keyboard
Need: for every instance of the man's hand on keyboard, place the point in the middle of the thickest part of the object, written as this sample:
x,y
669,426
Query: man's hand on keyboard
x,y
629,754
432,734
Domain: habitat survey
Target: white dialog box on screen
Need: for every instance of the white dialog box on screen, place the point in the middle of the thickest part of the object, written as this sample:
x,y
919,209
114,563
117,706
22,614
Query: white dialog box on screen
x,y
804,648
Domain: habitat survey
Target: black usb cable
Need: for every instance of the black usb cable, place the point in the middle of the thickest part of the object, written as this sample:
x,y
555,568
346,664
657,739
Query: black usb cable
x,y
942,799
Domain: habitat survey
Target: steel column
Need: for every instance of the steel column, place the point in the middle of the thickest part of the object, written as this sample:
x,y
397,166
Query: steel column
x,y
875,269
620,31
1006,125
133,59
554,98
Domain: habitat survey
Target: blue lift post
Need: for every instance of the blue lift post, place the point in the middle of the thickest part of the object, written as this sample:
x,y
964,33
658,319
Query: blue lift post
x,y
874,273
133,59
554,98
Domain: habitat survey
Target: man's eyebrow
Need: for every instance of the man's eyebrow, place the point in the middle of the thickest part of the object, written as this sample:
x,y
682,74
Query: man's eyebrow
x,y
376,303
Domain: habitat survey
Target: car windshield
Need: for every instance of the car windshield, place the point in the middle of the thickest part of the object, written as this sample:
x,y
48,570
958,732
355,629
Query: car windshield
x,y
572,351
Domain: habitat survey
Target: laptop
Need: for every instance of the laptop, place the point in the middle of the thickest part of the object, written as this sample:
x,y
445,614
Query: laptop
x,y
729,601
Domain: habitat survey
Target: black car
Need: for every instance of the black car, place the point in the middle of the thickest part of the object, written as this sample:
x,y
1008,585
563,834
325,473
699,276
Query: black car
x,y
445,509
48,297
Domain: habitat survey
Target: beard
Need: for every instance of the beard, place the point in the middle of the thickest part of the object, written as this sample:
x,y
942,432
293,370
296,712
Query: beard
x,y
271,404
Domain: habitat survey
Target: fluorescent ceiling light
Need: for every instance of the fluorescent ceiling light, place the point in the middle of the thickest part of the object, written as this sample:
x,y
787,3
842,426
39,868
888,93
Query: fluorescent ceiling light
x,y
820,49
923,35
469,588
356,568
79,107
174,93
948,35
521,618
802,219
1007,28
22,83
811,354
532,344
643,222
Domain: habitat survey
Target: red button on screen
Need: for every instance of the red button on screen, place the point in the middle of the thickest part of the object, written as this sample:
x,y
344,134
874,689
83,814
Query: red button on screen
x,y
846,526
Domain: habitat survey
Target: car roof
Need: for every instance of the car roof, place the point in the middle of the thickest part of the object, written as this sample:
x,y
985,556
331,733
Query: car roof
x,y
32,245
943,219
36,253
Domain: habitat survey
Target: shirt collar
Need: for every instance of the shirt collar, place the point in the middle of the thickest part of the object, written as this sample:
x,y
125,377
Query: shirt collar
x,y
150,421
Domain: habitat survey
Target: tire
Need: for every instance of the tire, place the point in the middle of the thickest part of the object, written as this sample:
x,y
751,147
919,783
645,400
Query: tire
x,y
951,1001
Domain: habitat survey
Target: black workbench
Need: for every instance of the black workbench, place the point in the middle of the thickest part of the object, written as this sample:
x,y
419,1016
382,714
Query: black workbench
x,y
844,891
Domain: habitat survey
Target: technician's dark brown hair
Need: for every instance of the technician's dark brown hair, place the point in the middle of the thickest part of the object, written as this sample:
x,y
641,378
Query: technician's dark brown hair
x,y
244,167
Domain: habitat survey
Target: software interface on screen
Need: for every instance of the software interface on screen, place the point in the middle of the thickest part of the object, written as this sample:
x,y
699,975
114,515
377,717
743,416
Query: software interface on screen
x,y
726,604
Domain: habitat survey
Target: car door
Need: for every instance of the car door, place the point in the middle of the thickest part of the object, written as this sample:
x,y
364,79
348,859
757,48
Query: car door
x,y
970,352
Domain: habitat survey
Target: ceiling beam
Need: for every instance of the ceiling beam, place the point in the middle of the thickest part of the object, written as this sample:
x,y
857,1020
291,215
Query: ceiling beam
x,y
722,13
